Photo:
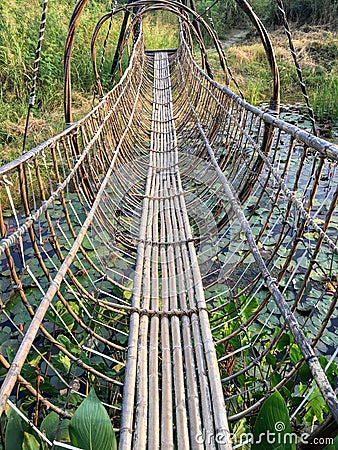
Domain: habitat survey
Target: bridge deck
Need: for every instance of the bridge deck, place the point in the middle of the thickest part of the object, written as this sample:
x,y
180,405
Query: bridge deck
x,y
172,378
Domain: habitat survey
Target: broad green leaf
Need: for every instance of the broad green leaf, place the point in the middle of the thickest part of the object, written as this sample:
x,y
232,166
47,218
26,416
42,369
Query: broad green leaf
x,y
14,431
74,399
272,429
333,446
65,361
250,307
315,408
275,379
271,359
304,373
90,427
50,426
283,341
30,443
86,244
34,360
122,338
70,346
295,354
127,294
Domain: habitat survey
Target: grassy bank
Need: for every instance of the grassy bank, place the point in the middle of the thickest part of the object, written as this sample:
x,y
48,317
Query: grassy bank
x,y
19,27
318,56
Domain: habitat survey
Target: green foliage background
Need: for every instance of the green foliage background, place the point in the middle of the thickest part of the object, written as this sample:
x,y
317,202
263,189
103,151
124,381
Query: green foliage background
x,y
227,14
19,30
19,27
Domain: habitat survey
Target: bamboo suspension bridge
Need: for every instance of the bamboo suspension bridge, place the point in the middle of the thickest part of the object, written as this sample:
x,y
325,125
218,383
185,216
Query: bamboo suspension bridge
x,y
176,248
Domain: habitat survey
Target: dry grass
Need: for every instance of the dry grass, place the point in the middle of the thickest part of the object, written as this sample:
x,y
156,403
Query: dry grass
x,y
317,51
17,47
315,46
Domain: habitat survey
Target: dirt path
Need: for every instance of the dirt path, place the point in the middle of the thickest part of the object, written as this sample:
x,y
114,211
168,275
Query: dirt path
x,y
234,37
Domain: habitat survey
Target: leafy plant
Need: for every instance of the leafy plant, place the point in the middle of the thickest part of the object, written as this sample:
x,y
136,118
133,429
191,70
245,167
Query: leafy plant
x,y
316,407
53,429
14,434
30,442
272,430
239,434
90,427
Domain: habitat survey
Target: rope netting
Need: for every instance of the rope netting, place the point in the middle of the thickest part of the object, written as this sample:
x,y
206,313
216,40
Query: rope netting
x,y
177,249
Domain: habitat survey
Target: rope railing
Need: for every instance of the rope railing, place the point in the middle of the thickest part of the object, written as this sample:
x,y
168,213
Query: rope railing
x,y
304,204
62,155
269,281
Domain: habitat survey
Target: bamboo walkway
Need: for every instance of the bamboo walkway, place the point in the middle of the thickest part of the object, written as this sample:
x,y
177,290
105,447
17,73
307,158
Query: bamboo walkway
x,y
168,281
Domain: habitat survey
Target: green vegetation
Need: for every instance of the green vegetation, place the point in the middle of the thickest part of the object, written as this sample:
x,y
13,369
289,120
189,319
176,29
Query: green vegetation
x,y
19,28
274,418
318,57
89,429
227,14
19,25
316,46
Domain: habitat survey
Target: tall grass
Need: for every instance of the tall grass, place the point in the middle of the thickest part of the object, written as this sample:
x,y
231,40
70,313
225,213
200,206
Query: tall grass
x,y
161,30
309,11
318,52
19,26
324,98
